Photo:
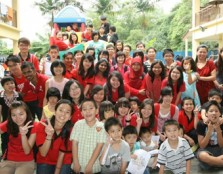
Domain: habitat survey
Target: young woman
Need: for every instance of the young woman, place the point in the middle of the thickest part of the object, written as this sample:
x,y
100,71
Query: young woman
x,y
85,73
176,82
68,60
154,80
102,69
73,40
78,54
98,94
73,91
206,73
53,137
19,156
119,46
219,68
103,54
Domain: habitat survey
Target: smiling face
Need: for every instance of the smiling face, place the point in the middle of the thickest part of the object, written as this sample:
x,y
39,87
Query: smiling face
x,y
167,99
29,73
9,86
151,54
19,116
175,74
68,60
146,111
157,69
89,112
172,132
99,96
168,57
102,67
114,82
131,139
122,110
146,138
136,67
202,54
213,114
63,113
75,91
24,48
188,105
115,132
58,70
86,64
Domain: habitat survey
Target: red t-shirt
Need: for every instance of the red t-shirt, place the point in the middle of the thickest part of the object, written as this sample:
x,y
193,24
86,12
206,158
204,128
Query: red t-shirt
x,y
154,129
182,89
67,152
15,150
115,96
68,74
77,115
83,82
132,121
86,35
128,61
23,86
99,80
33,59
40,88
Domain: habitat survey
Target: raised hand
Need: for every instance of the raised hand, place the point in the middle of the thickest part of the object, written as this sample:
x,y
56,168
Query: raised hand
x,y
49,130
24,129
129,115
196,110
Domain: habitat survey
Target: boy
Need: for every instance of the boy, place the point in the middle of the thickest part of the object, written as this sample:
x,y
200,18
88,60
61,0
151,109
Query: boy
x,y
88,137
46,63
213,95
175,153
118,152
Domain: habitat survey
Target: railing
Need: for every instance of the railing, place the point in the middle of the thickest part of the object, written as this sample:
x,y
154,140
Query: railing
x,y
209,13
8,15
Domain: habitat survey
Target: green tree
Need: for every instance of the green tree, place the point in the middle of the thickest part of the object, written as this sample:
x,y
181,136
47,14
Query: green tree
x,y
104,6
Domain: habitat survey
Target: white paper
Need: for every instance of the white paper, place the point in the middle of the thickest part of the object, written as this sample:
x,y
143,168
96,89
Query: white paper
x,y
155,139
139,165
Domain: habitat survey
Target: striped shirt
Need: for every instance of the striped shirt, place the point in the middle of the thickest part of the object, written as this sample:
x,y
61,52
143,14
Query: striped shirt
x,y
175,159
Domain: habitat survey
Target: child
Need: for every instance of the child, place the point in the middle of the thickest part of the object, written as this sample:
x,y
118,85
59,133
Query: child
x,y
176,82
147,144
165,110
188,118
120,63
98,94
88,137
102,69
52,96
106,110
7,96
147,115
134,105
85,73
175,153
73,91
210,138
190,79
58,81
19,156
118,154
213,94
154,80
115,87
124,114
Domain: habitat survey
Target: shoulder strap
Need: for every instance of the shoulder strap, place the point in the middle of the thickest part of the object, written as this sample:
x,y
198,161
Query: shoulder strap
x,y
172,110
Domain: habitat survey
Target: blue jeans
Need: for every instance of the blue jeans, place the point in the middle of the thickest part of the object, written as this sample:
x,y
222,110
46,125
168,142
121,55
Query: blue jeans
x,y
146,171
45,169
66,169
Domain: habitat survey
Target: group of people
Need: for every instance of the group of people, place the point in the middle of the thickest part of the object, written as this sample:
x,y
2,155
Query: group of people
x,y
96,109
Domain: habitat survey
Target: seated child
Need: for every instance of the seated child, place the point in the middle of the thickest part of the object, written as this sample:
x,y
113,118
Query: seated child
x,y
52,96
134,104
118,151
210,138
106,110
175,153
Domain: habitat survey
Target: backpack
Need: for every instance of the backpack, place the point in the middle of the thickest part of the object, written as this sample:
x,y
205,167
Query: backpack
x,y
157,109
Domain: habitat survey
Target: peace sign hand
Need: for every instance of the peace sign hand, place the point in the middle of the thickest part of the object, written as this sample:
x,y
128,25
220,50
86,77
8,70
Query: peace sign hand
x,y
49,130
24,129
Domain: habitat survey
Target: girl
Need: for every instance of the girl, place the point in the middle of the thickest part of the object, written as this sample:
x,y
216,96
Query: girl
x,y
73,40
52,96
115,87
78,54
98,94
188,118
52,137
219,68
103,54
154,80
106,110
147,115
190,78
210,138
134,104
120,64
135,79
206,73
58,81
19,156
85,73
151,53
164,110
68,60
122,110
73,91
176,82
119,46
7,96
102,69
91,50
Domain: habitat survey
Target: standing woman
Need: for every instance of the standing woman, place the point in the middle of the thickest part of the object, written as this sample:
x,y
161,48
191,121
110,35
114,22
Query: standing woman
x,y
19,158
154,80
52,136
219,68
206,73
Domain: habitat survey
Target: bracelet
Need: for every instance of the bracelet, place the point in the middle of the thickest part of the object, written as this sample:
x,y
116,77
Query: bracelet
x,y
48,139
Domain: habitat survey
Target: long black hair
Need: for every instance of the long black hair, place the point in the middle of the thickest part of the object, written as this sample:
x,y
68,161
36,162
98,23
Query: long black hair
x,y
163,72
90,72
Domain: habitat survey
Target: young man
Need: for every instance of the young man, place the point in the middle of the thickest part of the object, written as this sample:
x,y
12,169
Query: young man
x,y
105,24
36,82
175,153
24,55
